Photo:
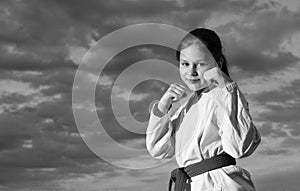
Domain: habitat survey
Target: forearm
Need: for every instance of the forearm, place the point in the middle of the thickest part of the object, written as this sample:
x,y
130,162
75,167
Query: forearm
x,y
159,134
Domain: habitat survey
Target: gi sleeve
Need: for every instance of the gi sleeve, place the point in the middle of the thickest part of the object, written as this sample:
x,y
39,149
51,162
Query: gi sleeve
x,y
239,135
160,133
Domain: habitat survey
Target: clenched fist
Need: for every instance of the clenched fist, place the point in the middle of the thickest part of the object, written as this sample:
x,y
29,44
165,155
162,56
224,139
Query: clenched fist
x,y
174,93
216,77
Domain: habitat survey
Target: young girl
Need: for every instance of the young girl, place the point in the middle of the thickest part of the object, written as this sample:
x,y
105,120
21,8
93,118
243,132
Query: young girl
x,y
210,130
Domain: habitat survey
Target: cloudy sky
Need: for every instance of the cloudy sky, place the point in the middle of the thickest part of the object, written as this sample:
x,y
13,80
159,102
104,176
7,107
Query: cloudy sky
x,y
43,43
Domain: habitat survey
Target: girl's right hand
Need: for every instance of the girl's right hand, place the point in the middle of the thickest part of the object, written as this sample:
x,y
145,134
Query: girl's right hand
x,y
174,93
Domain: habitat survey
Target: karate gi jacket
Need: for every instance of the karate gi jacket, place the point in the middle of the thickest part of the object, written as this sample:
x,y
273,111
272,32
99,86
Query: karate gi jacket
x,y
219,121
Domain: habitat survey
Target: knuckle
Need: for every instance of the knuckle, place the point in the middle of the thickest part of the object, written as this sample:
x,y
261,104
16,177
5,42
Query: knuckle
x,y
171,86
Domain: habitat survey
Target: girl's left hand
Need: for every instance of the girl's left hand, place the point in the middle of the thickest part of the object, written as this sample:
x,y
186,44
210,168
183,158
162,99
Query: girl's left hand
x,y
216,77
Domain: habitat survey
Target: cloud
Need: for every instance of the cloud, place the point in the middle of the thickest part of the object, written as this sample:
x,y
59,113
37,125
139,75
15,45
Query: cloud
x,y
36,150
253,40
254,61
275,152
272,129
40,143
276,181
127,179
283,106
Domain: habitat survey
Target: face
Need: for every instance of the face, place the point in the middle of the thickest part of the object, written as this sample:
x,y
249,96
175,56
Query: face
x,y
194,61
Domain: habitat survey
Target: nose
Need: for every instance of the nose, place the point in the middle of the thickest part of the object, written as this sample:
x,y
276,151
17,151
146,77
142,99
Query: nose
x,y
193,70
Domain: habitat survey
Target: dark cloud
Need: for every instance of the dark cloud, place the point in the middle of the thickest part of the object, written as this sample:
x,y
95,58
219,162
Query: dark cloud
x,y
39,23
294,127
16,128
54,144
56,150
14,98
254,62
275,152
256,38
50,25
32,63
282,113
285,112
283,95
273,25
135,54
281,180
291,142
267,129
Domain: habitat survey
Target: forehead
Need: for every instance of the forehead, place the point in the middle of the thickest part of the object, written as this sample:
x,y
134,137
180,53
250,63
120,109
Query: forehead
x,y
195,52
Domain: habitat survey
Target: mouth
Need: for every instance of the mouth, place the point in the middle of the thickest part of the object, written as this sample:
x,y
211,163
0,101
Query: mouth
x,y
193,80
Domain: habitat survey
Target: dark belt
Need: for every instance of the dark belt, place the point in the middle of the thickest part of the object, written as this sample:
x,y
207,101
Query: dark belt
x,y
182,176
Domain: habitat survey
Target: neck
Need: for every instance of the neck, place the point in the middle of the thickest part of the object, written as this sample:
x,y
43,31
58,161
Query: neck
x,y
203,90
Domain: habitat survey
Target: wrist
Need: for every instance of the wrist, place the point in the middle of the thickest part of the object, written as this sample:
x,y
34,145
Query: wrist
x,y
231,85
223,82
164,106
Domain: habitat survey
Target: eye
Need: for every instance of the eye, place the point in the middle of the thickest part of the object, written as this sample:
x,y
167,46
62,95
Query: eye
x,y
184,63
202,64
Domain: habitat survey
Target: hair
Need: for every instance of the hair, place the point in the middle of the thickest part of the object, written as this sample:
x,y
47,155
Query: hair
x,y
212,42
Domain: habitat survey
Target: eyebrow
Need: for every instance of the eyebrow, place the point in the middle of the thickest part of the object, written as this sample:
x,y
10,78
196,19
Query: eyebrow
x,y
195,61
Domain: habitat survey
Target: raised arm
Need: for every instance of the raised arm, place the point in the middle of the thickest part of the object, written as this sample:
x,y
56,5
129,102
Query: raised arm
x,y
238,133
160,134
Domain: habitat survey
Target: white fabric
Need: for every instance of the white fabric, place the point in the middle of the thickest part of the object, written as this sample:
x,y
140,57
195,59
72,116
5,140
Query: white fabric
x,y
218,122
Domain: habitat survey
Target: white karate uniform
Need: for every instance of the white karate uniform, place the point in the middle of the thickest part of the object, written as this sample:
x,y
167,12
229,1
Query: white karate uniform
x,y
218,122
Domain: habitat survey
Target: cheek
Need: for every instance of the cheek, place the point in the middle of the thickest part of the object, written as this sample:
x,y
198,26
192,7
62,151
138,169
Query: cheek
x,y
182,71
201,71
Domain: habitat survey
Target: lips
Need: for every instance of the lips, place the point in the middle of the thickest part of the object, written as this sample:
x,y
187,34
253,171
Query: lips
x,y
192,80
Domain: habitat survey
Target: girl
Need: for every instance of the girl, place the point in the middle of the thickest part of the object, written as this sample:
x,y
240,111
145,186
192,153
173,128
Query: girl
x,y
210,130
